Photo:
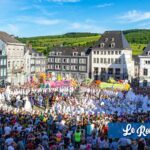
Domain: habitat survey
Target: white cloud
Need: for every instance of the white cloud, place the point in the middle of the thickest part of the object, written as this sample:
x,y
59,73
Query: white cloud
x,y
11,29
86,27
145,25
104,5
64,1
44,21
135,16
39,20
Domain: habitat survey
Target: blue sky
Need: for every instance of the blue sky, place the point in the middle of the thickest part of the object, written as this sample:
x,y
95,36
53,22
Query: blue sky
x,y
27,18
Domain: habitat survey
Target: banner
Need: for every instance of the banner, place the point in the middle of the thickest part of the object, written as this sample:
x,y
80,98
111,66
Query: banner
x,y
54,84
129,130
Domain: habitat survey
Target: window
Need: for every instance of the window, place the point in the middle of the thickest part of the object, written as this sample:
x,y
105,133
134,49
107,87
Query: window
x,y
75,53
67,67
108,52
116,60
95,70
112,60
145,83
103,70
97,52
94,60
82,68
145,72
82,61
119,52
94,52
108,60
51,66
104,52
57,67
112,39
1,72
57,60
112,45
102,60
58,53
74,60
63,67
52,53
112,52
119,60
4,71
76,67
101,52
105,61
51,60
102,45
106,39
97,60
4,61
110,70
117,71
64,60
8,64
1,62
116,52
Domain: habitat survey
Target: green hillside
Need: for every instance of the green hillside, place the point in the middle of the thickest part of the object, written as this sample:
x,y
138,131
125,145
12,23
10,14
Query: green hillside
x,y
138,39
45,43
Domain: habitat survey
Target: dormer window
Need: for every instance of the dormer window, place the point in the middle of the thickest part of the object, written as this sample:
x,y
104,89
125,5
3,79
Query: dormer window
x,y
75,53
112,45
102,45
52,53
106,39
58,53
112,39
82,53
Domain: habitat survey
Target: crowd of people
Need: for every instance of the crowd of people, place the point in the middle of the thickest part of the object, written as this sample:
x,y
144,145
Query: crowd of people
x,y
69,118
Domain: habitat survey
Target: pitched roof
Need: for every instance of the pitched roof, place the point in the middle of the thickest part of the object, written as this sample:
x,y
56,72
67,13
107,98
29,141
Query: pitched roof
x,y
69,50
146,50
110,37
5,37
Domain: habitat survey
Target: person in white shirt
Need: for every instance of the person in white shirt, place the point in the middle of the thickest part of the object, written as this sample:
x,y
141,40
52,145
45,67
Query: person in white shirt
x,y
7,130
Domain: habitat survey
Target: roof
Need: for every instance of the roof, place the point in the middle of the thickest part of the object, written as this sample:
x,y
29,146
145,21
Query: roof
x,y
5,37
146,50
69,50
109,37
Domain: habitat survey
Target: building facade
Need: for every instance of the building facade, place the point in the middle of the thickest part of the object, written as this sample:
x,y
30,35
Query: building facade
x,y
111,56
15,58
38,62
68,61
144,73
3,63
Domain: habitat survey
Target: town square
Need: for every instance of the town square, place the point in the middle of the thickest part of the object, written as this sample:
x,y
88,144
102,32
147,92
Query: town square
x,y
74,83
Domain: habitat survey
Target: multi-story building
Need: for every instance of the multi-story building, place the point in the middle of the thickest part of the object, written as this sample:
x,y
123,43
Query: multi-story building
x,y
144,73
111,56
69,61
3,62
15,58
38,62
